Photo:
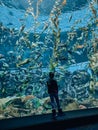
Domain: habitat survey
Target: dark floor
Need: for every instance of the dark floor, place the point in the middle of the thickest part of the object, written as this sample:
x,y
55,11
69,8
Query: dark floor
x,y
85,119
86,127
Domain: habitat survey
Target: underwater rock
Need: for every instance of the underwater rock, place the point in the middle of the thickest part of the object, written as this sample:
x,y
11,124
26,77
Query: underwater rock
x,y
5,100
30,105
39,110
81,76
71,106
2,116
28,97
82,107
80,83
15,106
94,62
95,102
96,86
89,102
46,103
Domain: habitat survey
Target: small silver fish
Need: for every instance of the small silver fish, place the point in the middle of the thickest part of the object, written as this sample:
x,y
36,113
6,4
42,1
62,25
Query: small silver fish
x,y
70,18
1,56
22,28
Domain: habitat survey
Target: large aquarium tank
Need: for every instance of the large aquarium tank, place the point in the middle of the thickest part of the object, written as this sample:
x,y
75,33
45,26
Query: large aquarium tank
x,y
42,36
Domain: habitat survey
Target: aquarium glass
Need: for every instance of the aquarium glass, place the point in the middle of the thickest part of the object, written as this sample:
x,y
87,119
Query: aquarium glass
x,y
42,36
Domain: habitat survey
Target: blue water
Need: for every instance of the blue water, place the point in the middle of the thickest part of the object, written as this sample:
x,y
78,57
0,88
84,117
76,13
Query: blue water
x,y
36,38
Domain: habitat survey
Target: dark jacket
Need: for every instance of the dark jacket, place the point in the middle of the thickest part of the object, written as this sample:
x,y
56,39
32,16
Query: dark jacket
x,y
52,86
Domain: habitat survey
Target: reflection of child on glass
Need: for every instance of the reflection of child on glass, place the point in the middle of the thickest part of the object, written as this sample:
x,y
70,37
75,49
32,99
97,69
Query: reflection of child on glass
x,y
53,93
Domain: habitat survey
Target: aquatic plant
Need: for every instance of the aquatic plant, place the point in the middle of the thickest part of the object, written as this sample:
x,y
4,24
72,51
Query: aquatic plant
x,y
54,18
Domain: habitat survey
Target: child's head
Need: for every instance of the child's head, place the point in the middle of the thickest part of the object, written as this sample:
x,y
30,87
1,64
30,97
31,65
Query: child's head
x,y
51,74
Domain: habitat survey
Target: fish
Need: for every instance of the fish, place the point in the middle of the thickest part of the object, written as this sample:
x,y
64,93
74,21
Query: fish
x,y
78,21
17,42
26,61
19,57
5,65
1,56
22,28
64,2
33,45
78,52
76,47
81,37
73,61
21,20
93,10
79,46
84,28
70,18
28,43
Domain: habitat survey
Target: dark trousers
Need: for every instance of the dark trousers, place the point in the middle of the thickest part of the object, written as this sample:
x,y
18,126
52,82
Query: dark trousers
x,y
54,100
